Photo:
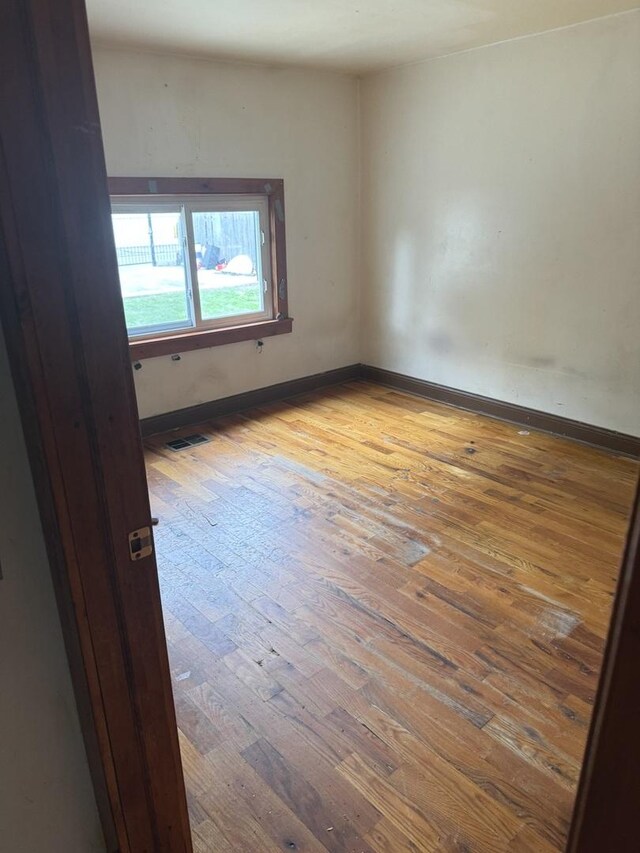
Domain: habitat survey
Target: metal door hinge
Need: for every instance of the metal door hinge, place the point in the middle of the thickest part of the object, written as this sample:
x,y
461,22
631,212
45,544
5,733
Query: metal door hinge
x,y
140,543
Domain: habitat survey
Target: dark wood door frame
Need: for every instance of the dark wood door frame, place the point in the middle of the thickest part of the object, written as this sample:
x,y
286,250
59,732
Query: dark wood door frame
x,y
64,323
69,354
608,798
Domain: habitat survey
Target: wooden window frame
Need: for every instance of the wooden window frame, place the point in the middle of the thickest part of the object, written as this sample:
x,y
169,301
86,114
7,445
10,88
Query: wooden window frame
x,y
272,189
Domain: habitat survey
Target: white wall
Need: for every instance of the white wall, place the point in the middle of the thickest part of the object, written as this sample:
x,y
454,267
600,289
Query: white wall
x,y
166,115
501,205
46,796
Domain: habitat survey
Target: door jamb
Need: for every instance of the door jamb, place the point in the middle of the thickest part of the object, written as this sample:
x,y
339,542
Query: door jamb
x,y
606,805
69,355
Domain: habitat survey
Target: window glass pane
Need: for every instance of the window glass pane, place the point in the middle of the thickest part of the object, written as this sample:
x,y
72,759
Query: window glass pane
x,y
152,270
229,261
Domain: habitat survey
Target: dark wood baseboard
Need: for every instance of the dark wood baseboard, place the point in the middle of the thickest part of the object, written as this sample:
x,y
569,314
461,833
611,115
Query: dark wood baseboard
x,y
606,439
248,400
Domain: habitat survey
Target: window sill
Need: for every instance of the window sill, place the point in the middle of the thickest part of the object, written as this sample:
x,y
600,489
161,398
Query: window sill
x,y
205,338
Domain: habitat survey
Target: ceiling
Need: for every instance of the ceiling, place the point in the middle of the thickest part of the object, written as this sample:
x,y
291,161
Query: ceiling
x,y
356,36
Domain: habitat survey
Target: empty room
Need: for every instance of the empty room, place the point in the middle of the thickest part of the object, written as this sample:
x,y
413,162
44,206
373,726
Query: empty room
x,y
321,371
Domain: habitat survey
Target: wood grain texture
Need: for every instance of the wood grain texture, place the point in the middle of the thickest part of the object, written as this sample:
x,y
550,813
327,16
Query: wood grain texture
x,y
608,439
62,310
599,437
389,616
605,815
193,415
140,348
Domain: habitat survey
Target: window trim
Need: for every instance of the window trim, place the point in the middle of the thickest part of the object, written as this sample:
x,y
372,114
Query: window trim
x,y
150,190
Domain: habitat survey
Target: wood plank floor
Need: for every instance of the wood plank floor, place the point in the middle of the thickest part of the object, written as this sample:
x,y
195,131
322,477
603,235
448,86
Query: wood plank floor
x,y
385,621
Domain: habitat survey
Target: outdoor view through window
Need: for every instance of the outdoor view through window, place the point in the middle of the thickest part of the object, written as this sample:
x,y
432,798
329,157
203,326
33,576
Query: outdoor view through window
x,y
191,265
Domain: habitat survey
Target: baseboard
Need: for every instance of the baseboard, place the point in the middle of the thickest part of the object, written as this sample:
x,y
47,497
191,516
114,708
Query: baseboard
x,y
248,400
606,439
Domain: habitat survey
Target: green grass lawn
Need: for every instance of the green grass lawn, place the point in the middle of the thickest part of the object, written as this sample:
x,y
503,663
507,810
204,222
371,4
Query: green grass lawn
x,y
170,307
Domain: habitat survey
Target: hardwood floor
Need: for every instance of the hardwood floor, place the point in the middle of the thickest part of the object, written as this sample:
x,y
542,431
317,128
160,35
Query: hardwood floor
x,y
385,621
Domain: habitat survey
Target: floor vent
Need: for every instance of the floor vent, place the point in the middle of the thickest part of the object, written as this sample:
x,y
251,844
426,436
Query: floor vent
x,y
187,441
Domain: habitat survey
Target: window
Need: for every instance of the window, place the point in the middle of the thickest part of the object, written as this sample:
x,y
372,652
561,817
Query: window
x,y
201,262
